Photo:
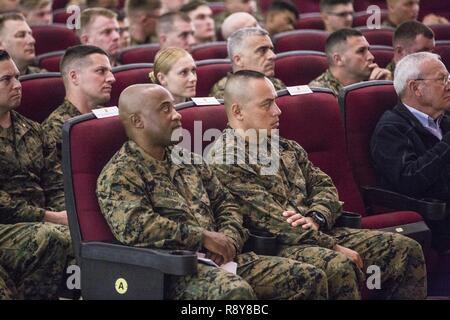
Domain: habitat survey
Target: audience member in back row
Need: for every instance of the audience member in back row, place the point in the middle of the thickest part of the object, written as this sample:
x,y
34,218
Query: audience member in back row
x,y
34,239
337,14
410,37
16,37
37,12
86,72
400,11
250,49
280,17
172,5
201,16
349,61
175,29
175,70
236,21
124,30
232,6
410,146
99,27
143,15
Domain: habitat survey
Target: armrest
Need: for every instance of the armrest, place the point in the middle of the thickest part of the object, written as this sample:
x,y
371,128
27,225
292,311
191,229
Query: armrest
x,y
262,244
174,262
430,209
349,220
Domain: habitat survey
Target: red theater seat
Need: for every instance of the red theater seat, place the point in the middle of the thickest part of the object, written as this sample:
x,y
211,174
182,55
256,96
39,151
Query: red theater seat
x,y
212,50
300,40
61,16
127,75
53,37
383,54
442,48
41,94
300,67
209,72
311,20
144,53
360,18
382,36
50,61
88,144
441,31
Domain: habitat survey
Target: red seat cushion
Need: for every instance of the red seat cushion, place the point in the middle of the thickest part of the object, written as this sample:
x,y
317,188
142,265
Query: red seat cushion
x,y
209,72
53,37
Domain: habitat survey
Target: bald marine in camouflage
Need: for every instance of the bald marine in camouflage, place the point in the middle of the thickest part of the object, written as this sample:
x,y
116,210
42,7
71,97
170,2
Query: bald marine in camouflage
x,y
349,61
249,49
157,195
87,76
271,187
34,239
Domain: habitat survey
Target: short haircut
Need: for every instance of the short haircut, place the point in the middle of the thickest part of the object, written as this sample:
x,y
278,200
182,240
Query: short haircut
x,y
327,4
10,16
167,20
34,4
409,30
192,5
88,16
238,76
77,53
4,55
339,37
408,68
237,39
133,6
283,5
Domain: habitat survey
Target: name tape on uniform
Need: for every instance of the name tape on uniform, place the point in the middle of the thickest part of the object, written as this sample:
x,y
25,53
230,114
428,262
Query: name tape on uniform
x,y
106,112
296,90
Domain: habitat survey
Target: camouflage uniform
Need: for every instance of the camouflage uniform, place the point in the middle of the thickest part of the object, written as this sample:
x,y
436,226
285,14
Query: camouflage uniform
x,y
327,80
388,24
391,67
218,89
162,204
33,70
32,253
52,126
299,186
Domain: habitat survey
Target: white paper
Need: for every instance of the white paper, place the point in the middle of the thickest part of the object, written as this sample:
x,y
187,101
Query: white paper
x,y
106,112
296,90
205,101
229,266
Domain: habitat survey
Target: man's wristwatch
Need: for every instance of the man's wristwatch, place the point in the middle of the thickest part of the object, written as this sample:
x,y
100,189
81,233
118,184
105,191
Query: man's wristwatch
x,y
318,218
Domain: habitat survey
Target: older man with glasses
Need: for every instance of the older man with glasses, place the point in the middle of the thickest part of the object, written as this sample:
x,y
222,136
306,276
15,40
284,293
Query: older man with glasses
x,y
337,14
410,146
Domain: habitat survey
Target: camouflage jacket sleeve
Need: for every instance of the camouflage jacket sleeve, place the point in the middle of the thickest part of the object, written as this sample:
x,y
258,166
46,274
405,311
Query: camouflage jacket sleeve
x,y
15,211
125,201
52,178
322,195
228,218
263,211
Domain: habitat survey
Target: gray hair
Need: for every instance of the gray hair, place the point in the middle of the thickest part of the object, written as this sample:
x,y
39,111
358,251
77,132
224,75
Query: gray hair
x,y
237,39
409,68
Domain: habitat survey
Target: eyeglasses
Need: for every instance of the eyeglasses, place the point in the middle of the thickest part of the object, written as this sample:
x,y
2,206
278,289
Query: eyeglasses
x,y
343,14
444,79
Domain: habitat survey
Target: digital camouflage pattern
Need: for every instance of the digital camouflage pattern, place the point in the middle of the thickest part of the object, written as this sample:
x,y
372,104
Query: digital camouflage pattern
x,y
218,90
33,254
52,126
168,204
299,186
33,70
327,80
391,67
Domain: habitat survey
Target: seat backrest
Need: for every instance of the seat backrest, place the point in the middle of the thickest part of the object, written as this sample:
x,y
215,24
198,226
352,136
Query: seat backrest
x,y
88,144
382,36
361,17
383,54
143,53
53,37
209,72
41,94
362,105
441,31
442,48
300,40
127,75
362,5
204,124
61,15
217,7
58,4
50,61
312,20
306,6
211,50
300,67
314,121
